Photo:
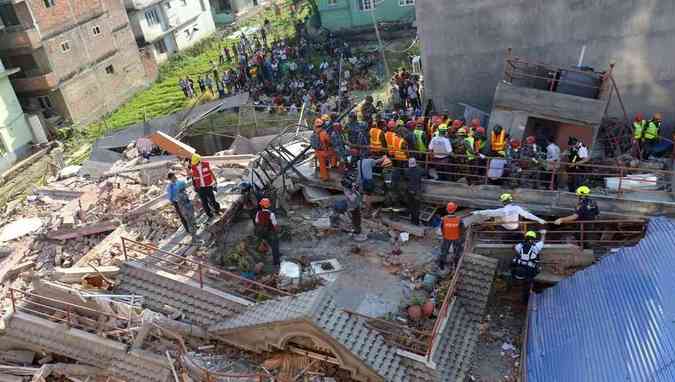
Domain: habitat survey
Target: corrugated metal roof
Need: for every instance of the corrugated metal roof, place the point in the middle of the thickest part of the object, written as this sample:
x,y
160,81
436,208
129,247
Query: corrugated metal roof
x,y
614,321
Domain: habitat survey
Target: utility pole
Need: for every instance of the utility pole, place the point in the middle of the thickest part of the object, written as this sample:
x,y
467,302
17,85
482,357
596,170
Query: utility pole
x,y
387,74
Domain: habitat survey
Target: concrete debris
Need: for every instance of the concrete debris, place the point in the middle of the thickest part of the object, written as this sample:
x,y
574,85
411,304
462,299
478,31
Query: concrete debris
x,y
84,230
19,228
69,172
19,357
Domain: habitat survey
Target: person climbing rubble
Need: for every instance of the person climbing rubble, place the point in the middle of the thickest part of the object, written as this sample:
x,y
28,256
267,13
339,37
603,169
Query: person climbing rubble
x,y
204,181
509,215
176,192
267,229
324,151
451,229
525,264
354,204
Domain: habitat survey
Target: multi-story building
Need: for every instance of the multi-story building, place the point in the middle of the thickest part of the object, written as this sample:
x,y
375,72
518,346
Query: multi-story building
x,y
348,15
17,133
78,58
167,26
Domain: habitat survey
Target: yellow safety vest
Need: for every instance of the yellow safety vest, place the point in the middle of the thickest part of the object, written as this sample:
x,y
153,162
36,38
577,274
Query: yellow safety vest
x,y
390,137
639,129
400,152
375,140
652,131
498,141
469,142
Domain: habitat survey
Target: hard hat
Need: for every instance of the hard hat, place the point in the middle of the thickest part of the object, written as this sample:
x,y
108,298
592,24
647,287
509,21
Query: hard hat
x,y
530,235
391,124
530,140
457,123
461,131
196,158
265,203
386,162
583,191
452,207
515,143
475,122
318,122
506,197
435,120
639,116
480,130
443,126
325,117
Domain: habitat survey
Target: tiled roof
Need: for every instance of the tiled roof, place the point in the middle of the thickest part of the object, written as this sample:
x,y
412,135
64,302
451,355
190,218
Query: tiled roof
x,y
613,321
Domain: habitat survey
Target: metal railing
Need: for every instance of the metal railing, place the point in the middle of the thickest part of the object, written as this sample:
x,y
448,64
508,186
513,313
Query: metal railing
x,y
530,174
171,262
591,232
72,315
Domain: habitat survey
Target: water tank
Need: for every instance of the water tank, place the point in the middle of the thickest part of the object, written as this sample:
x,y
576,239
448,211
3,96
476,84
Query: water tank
x,y
582,84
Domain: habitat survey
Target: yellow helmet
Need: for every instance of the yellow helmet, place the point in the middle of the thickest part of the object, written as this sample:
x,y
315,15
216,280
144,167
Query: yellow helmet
x,y
583,191
325,117
530,235
461,131
506,197
196,158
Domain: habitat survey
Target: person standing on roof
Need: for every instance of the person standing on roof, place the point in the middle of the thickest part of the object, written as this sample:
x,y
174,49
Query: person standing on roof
x,y
420,140
497,140
323,149
509,215
525,263
176,192
357,135
577,156
451,229
204,181
267,229
354,200
652,135
639,127
585,210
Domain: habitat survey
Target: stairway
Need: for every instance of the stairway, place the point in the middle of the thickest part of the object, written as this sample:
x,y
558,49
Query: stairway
x,y
282,154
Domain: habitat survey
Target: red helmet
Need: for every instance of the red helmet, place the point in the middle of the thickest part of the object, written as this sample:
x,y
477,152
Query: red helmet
x,y
265,203
480,130
530,140
391,124
639,116
436,120
457,123
475,122
452,207
515,143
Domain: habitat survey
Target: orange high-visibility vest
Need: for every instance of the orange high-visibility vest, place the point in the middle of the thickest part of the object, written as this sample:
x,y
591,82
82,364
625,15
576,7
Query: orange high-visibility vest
x,y
390,136
498,141
450,227
375,140
400,152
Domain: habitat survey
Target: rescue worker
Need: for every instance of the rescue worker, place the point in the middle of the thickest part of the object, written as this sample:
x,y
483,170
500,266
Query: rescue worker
x,y
451,229
433,126
509,215
400,151
389,137
532,161
414,175
639,127
177,195
577,155
525,263
420,142
440,150
497,140
357,135
458,167
267,229
442,128
652,135
251,198
324,152
204,182
472,164
585,210
475,124
337,141
455,126
377,142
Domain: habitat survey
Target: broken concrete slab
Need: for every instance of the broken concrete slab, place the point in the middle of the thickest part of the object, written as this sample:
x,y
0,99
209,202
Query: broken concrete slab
x,y
5,251
17,269
57,193
404,227
85,230
19,357
103,247
19,228
319,196
10,378
75,274
69,171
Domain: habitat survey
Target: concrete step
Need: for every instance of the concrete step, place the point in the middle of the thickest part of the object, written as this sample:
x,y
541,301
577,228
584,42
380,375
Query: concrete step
x,y
53,337
202,306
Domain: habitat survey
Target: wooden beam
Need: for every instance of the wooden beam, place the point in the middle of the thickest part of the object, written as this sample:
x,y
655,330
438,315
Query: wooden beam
x,y
172,145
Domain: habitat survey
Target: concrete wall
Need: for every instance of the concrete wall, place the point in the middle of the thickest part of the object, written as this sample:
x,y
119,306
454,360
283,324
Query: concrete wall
x,y
15,134
345,14
464,43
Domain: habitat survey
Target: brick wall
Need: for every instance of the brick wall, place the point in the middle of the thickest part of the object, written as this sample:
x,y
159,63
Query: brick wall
x,y
116,13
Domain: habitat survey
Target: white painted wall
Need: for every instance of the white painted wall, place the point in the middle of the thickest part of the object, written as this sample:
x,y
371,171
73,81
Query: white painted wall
x,y
15,134
186,36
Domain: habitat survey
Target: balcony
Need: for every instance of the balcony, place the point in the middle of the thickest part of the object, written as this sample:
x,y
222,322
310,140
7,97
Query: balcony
x,y
37,83
138,4
20,37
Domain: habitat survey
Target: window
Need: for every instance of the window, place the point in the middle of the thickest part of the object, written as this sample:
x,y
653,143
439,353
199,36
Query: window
x,y
96,30
332,2
65,46
109,69
152,17
45,102
367,5
160,46
8,15
406,3
49,3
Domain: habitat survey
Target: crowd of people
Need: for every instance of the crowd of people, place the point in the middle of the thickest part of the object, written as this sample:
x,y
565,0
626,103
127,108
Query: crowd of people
x,y
281,75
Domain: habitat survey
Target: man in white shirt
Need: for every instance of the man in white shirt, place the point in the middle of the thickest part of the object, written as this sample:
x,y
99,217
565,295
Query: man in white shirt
x,y
509,215
552,163
440,150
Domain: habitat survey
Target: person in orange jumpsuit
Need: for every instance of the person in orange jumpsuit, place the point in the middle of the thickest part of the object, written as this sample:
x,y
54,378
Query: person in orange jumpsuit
x,y
325,151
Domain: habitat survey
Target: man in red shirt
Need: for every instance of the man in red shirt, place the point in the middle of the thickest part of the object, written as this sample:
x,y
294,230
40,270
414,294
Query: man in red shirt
x,y
267,227
451,227
204,181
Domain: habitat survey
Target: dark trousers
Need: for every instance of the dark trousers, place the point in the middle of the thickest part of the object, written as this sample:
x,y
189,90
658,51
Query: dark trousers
x,y
445,250
356,220
208,198
273,240
525,277
180,215
442,167
414,207
575,180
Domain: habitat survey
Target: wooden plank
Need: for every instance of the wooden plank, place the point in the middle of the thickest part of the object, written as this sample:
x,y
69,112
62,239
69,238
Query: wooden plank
x,y
172,145
75,274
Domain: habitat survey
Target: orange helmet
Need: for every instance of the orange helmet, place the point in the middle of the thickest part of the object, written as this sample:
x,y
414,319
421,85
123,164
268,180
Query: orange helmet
x,y
475,122
265,203
452,207
391,124
318,122
639,116
515,143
